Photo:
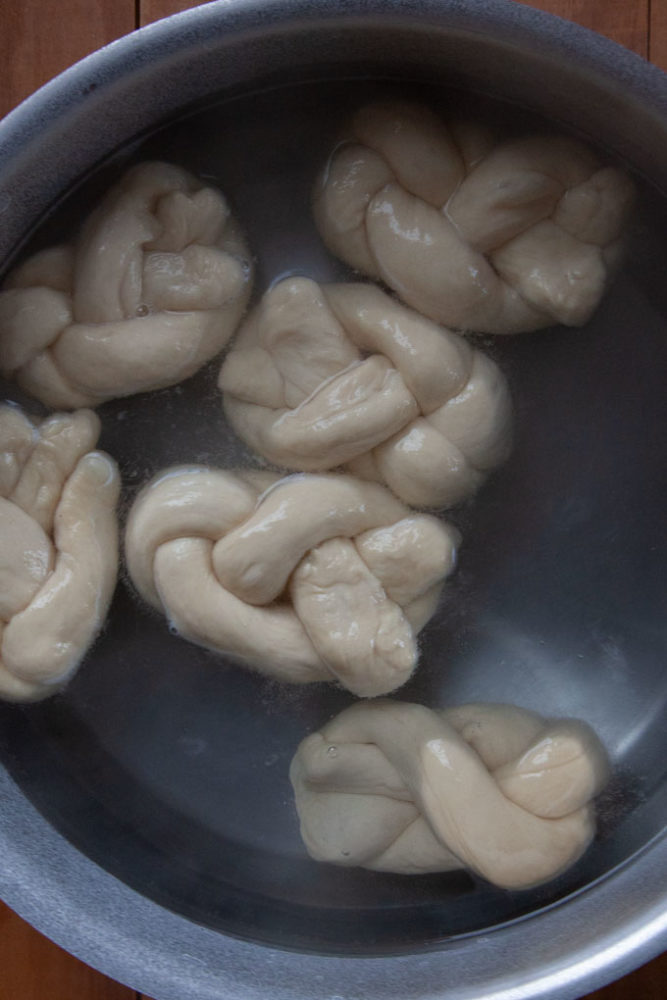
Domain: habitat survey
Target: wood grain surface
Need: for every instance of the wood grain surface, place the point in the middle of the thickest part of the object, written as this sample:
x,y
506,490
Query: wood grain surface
x,y
624,21
40,38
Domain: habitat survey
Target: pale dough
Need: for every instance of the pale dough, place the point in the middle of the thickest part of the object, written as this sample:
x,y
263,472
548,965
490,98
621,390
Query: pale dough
x,y
343,375
305,578
497,789
495,237
153,287
58,547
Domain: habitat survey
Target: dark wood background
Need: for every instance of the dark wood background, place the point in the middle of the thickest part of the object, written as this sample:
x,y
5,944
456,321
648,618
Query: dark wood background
x,y
39,38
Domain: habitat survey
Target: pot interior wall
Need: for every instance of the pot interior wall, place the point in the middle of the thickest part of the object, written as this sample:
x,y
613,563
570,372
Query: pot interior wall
x,y
168,767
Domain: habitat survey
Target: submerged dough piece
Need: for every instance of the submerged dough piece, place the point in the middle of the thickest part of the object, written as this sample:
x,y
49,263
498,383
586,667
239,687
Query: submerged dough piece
x,y
58,548
153,287
478,235
343,375
494,788
305,578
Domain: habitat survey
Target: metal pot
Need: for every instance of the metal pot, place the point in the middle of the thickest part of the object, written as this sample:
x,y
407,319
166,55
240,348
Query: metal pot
x,y
146,822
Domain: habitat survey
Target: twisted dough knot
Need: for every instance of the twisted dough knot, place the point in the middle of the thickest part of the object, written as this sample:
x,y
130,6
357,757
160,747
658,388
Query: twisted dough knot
x,y
306,578
152,288
58,548
342,375
494,788
499,238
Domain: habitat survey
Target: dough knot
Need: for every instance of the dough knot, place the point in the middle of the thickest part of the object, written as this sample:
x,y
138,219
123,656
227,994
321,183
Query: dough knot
x,y
344,376
494,788
152,288
497,237
305,578
58,547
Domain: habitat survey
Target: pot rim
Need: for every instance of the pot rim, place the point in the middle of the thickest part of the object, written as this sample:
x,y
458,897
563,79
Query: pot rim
x,y
82,109
585,940
578,944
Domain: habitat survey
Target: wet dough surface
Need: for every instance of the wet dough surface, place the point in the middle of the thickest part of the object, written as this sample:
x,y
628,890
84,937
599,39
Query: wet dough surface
x,y
58,547
305,578
152,288
497,789
343,375
496,237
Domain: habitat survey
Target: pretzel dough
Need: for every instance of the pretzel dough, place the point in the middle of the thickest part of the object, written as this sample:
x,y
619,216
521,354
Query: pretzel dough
x,y
342,375
398,787
499,238
153,287
306,578
58,548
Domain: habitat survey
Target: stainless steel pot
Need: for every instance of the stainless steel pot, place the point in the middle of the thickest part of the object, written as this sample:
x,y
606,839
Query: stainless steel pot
x,y
146,822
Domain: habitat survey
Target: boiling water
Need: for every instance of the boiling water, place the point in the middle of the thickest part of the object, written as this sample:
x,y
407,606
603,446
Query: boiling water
x,y
168,765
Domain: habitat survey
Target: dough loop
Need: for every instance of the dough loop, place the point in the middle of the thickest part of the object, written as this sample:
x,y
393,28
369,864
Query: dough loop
x,y
497,238
343,375
398,787
58,548
153,287
306,578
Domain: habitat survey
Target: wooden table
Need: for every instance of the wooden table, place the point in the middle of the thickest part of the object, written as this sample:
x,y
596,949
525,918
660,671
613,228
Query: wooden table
x,y
39,38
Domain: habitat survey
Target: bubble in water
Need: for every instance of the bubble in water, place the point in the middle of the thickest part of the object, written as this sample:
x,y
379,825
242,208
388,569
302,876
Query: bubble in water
x,y
293,272
332,751
192,746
